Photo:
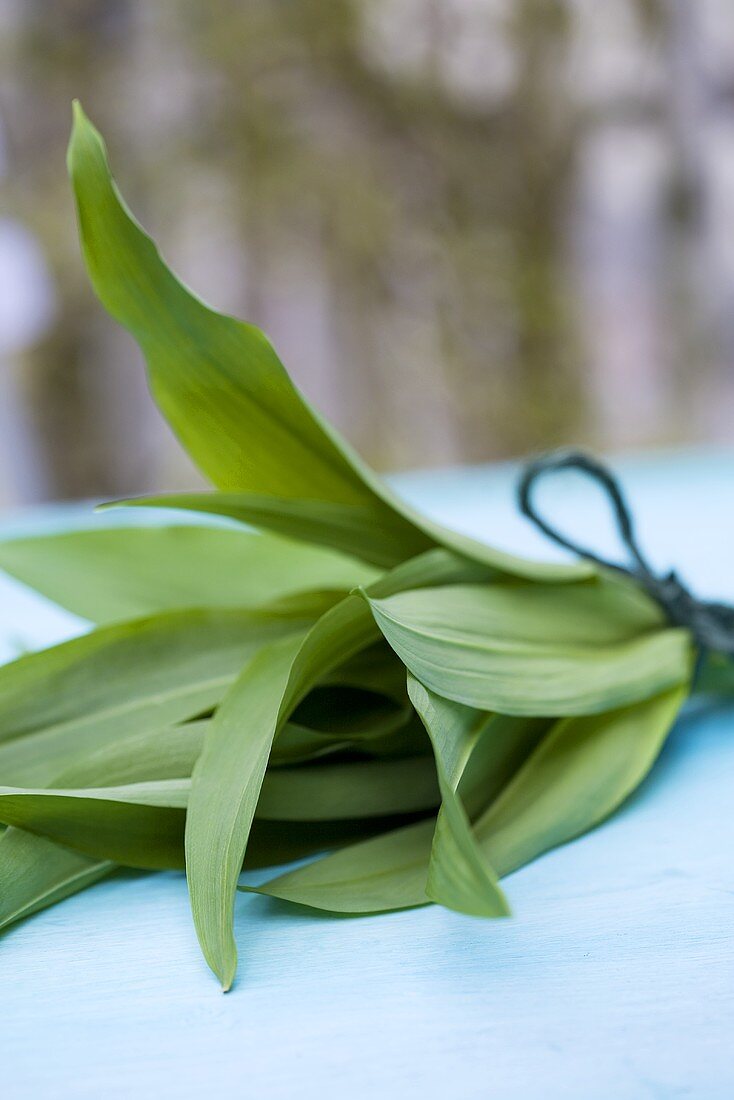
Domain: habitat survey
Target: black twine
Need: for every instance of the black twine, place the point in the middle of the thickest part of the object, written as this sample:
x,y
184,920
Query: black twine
x,y
711,624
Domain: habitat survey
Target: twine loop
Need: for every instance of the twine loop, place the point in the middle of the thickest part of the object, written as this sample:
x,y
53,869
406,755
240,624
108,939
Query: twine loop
x,y
710,623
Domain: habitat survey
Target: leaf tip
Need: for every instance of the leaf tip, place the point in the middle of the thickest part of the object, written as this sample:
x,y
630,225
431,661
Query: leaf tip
x,y
226,974
84,141
78,121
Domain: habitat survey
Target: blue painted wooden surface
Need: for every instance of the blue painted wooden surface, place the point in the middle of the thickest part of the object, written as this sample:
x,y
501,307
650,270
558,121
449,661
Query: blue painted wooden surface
x,y
614,980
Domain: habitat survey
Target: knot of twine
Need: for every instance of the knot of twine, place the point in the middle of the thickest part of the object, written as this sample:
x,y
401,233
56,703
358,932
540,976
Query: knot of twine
x,y
711,624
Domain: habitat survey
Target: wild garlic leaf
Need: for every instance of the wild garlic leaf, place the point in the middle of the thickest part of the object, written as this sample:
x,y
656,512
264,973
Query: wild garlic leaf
x,y
299,744
351,529
229,773
579,774
225,791
217,380
372,876
172,752
517,651
600,613
459,876
138,824
36,873
230,401
123,573
505,745
168,753
146,674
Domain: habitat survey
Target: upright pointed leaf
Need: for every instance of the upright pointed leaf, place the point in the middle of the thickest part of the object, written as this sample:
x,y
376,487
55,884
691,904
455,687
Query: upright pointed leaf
x,y
217,380
230,401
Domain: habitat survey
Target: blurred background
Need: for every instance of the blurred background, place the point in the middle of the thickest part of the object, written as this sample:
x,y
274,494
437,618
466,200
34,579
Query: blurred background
x,y
472,228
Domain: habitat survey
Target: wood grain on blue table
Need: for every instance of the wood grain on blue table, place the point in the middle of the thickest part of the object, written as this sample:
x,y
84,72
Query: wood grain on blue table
x,y
613,981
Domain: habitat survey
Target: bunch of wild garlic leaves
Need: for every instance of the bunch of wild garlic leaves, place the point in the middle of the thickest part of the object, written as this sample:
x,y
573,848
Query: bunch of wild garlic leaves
x,y
422,712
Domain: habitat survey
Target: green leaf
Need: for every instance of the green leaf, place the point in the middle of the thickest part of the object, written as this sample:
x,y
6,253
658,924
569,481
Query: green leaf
x,y
227,396
459,877
156,754
601,613
139,824
534,649
122,573
578,774
346,711
36,873
82,694
217,380
351,530
506,744
225,791
383,873
230,770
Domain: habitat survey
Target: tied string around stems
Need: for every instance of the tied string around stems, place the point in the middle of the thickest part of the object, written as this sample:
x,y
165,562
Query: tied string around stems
x,y
711,624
